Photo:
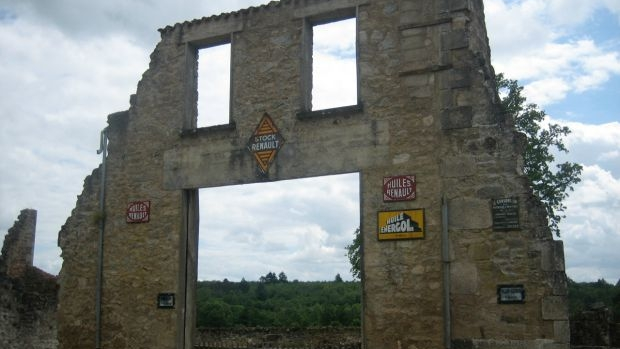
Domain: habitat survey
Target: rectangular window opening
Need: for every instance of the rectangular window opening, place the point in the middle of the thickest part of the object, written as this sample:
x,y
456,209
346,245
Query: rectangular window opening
x,y
214,85
334,64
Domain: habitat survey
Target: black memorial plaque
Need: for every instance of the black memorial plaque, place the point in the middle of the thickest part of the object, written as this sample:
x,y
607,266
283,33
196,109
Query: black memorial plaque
x,y
505,214
510,294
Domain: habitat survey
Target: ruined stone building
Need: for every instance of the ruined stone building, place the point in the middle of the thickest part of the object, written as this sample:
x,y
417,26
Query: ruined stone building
x,y
27,294
461,259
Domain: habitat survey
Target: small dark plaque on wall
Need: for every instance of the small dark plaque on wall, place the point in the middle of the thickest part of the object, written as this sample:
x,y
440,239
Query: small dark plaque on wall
x,y
505,214
165,300
510,294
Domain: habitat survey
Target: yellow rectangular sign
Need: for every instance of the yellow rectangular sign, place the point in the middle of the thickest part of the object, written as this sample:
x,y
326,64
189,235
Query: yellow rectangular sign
x,y
401,224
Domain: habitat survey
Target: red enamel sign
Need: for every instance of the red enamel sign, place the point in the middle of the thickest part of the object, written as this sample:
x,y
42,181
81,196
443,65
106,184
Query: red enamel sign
x,y
138,212
398,188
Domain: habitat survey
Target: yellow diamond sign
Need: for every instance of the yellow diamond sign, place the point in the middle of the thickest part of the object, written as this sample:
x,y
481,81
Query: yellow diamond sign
x,y
265,143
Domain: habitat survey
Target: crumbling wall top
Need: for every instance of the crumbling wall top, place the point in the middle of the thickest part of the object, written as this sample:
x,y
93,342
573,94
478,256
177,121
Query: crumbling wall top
x,y
18,247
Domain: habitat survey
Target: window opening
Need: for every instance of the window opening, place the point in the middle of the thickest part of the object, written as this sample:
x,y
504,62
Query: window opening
x,y
214,85
334,64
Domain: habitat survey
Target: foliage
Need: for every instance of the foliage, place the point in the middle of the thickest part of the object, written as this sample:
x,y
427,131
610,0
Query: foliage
x,y
354,253
335,303
550,186
278,304
582,295
269,278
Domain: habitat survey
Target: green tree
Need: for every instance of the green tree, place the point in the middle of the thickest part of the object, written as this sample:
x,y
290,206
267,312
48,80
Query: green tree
x,y
282,277
354,253
244,286
551,186
261,292
214,313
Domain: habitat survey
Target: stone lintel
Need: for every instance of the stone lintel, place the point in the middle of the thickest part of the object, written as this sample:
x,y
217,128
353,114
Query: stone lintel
x,y
213,33
330,8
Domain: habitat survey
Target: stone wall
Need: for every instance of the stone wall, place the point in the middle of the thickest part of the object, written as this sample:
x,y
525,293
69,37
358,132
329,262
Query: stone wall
x,y
427,107
268,337
27,294
18,247
595,327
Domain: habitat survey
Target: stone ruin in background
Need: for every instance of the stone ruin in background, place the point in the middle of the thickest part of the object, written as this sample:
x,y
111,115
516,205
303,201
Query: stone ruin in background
x,y
28,295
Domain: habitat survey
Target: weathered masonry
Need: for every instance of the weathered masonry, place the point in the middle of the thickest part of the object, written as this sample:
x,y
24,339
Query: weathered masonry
x,y
467,262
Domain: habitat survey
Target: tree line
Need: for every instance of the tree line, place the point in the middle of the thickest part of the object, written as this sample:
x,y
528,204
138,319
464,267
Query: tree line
x,y
583,295
273,301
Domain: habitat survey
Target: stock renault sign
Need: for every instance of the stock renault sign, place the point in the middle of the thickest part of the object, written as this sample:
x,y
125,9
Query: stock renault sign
x,y
403,224
265,143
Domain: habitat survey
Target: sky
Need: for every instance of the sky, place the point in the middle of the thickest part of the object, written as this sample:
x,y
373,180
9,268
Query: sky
x,y
66,64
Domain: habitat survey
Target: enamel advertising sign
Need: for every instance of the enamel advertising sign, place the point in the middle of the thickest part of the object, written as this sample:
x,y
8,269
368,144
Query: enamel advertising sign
x,y
265,143
139,211
398,188
403,224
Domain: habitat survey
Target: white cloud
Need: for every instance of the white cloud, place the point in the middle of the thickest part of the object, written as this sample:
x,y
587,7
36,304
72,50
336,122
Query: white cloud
x,y
590,144
531,41
590,229
610,155
297,226
214,85
334,70
136,19
56,95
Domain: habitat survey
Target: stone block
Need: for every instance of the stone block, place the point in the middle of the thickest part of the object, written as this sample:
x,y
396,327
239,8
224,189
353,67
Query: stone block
x,y
455,39
458,166
462,344
559,283
491,191
561,331
554,308
469,213
417,80
552,258
508,344
457,118
413,39
460,78
556,346
480,252
464,278
459,5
